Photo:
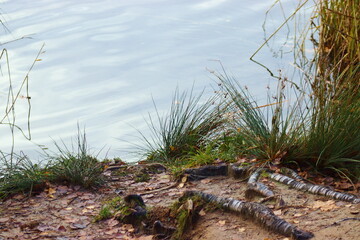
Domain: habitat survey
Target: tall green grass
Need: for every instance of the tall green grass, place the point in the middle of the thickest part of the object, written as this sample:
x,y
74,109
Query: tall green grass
x,y
23,176
321,126
183,129
272,133
333,139
76,165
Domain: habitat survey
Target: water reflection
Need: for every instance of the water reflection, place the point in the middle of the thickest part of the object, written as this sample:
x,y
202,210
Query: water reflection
x,y
105,60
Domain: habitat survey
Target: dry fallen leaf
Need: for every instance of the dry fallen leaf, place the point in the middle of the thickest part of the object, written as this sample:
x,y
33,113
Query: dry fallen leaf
x,y
189,205
127,227
221,222
156,200
51,191
184,179
49,234
202,212
112,231
277,212
5,219
150,237
77,226
165,176
112,222
242,229
205,181
344,186
325,206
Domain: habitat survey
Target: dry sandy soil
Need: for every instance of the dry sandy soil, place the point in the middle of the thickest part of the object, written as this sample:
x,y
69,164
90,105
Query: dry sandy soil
x,y
64,212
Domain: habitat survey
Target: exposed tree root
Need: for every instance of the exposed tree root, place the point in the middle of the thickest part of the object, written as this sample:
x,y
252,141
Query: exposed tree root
x,y
238,172
257,188
291,173
206,171
313,188
253,185
161,231
258,212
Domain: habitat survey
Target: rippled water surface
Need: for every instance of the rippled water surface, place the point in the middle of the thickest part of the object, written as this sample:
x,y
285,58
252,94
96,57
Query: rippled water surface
x,y
104,61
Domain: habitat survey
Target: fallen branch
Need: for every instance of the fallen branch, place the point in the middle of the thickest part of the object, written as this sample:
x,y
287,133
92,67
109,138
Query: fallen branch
x,y
342,220
158,189
258,212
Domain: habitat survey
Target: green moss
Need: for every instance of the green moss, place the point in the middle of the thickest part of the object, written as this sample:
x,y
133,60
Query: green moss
x,y
119,209
105,213
183,222
187,211
109,208
122,213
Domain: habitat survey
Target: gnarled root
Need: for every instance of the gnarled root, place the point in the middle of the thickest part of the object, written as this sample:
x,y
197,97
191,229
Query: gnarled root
x,y
206,171
258,212
315,189
257,188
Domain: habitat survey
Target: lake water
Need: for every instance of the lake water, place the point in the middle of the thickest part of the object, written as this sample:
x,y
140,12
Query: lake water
x,y
104,61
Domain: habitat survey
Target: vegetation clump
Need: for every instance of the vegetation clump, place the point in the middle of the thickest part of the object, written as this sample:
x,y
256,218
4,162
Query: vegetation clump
x,y
71,167
187,211
183,130
131,209
77,166
110,208
24,177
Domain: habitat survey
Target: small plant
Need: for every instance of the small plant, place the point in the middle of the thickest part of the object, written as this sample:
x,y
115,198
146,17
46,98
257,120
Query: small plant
x,y
183,130
273,136
202,157
229,145
105,213
23,177
77,166
187,211
333,141
109,208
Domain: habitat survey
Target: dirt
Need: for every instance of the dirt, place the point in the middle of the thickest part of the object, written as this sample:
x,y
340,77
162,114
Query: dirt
x,y
64,212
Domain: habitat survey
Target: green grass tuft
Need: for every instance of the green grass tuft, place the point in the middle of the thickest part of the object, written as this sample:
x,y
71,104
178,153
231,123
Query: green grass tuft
x,y
77,166
23,177
183,130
